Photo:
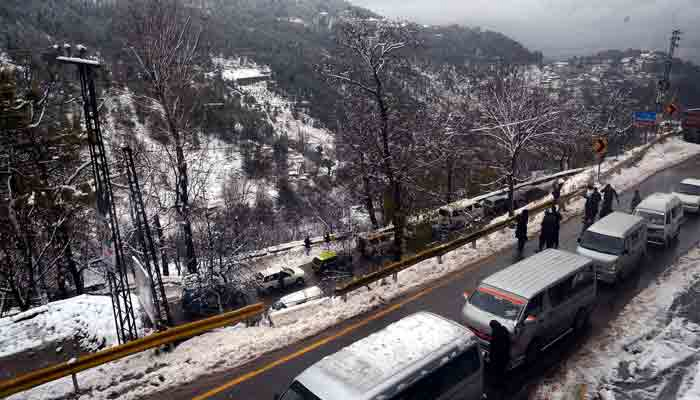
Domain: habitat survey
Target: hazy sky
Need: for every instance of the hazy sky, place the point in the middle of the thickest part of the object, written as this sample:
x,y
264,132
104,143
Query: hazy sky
x,y
563,27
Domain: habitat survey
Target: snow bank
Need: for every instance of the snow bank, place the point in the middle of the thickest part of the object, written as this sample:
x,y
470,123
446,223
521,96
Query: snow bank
x,y
230,347
88,319
647,340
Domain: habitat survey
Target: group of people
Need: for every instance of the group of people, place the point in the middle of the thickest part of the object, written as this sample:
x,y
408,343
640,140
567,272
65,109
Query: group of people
x,y
593,207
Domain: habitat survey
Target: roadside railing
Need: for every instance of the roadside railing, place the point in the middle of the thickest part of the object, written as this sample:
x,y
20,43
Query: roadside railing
x,y
172,335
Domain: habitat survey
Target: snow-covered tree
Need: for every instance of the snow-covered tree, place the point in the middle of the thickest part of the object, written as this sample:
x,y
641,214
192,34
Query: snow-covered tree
x,y
516,118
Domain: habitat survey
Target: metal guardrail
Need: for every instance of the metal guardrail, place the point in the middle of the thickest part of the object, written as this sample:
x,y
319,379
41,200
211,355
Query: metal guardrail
x,y
440,250
39,377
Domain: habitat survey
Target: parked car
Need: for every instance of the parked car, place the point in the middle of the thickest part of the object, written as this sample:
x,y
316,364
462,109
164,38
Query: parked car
x,y
280,278
664,214
496,205
538,300
616,243
205,301
421,356
299,297
689,193
329,261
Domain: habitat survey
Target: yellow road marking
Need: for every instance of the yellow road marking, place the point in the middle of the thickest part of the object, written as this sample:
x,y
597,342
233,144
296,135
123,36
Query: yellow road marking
x,y
442,282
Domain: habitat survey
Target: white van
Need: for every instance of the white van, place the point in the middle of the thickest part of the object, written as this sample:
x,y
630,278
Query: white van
x,y
616,243
664,214
538,300
421,356
689,193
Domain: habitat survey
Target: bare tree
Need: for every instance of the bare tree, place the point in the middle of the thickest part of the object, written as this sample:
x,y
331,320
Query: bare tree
x,y
372,54
166,44
517,118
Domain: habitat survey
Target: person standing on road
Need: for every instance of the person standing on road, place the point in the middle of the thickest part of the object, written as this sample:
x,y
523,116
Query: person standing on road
x,y
327,239
592,204
608,194
499,348
635,200
556,194
521,230
307,244
556,224
546,229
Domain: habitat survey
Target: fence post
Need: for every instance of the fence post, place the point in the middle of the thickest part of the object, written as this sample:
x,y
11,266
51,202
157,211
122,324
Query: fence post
x,y
76,388
474,244
439,257
395,275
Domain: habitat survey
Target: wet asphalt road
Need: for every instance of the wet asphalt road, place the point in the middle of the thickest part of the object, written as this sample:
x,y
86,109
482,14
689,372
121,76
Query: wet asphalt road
x,y
447,300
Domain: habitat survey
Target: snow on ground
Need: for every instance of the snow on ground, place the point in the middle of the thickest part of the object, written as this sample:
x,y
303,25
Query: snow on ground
x,y
650,351
229,347
88,319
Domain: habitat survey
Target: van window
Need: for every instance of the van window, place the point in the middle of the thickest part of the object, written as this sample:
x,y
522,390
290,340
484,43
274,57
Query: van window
x,y
651,217
496,302
443,379
561,292
297,391
534,307
602,243
686,188
583,280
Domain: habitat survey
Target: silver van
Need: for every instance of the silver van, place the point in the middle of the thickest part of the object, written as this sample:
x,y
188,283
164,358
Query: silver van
x,y
538,300
616,243
664,215
422,356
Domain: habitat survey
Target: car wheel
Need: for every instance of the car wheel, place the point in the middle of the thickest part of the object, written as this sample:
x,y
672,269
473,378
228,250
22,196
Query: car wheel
x,y
300,281
533,352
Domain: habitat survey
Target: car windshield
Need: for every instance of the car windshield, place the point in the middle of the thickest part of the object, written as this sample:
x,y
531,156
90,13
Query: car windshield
x,y
689,189
651,217
498,303
602,243
297,391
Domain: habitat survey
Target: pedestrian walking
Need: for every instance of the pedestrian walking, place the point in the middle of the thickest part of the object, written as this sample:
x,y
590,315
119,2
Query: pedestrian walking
x,y
592,204
307,244
608,195
499,348
521,230
547,230
556,194
636,199
555,228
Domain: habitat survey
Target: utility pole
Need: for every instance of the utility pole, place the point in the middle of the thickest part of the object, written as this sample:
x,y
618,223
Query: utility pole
x,y
108,225
664,84
144,236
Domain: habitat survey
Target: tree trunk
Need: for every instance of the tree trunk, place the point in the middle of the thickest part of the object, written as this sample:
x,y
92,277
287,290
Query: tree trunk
x,y
397,217
161,245
450,180
72,267
369,203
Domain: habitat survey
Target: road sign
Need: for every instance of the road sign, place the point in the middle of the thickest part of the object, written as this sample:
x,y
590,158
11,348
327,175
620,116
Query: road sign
x,y
600,145
644,118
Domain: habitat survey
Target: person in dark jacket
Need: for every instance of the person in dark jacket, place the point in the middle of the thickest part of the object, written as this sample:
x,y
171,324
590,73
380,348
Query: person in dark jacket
x,y
592,204
635,200
608,195
547,230
499,348
307,244
521,230
556,224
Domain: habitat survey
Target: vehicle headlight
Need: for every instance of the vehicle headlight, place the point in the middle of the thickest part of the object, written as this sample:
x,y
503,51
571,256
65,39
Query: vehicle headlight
x,y
612,267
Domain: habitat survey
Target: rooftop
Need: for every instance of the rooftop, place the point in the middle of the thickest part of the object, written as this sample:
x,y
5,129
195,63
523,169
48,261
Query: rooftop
x,y
358,370
656,201
615,224
527,277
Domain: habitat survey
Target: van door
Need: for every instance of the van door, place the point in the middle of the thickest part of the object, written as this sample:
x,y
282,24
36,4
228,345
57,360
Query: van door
x,y
563,309
459,379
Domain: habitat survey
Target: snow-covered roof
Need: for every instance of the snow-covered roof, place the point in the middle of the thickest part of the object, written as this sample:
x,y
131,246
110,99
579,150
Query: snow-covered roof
x,y
657,201
381,360
691,181
533,274
616,224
